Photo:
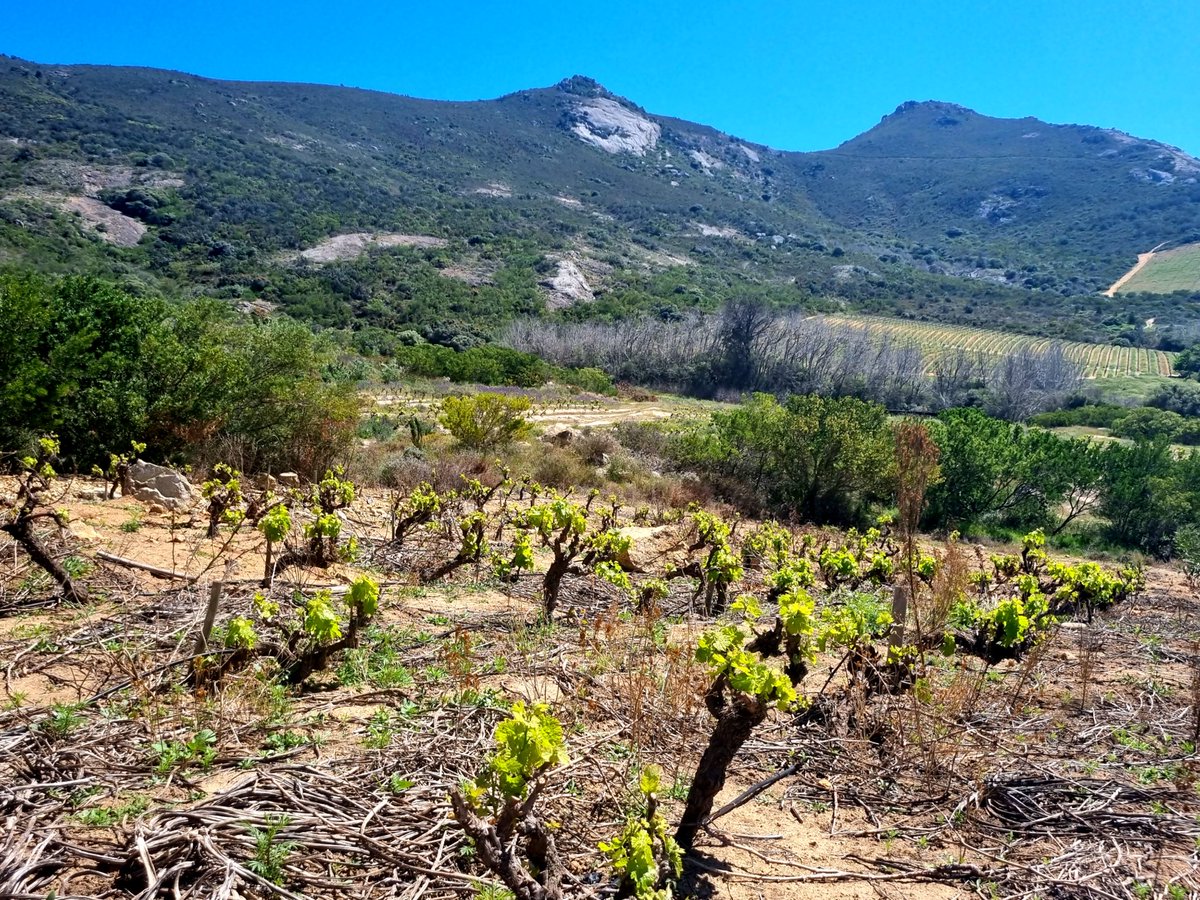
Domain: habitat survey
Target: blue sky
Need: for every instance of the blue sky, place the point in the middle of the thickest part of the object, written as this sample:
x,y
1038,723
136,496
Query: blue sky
x,y
796,75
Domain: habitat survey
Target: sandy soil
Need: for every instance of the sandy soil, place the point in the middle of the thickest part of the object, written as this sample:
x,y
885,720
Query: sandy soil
x,y
348,246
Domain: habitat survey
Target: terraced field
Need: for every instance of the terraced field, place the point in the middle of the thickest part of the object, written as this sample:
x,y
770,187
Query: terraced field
x,y
1098,360
1166,271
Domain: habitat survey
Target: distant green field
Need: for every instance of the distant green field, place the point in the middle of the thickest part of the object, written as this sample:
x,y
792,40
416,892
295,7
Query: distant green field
x,y
1170,270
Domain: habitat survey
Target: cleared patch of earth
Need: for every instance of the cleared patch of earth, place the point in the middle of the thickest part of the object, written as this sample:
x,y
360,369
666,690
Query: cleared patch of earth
x,y
349,246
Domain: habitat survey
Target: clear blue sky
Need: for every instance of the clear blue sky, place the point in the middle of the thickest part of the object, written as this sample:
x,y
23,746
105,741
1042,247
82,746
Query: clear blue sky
x,y
797,75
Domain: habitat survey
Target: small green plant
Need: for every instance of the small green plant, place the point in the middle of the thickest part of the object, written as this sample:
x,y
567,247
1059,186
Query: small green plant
x,y
398,784
108,816
331,494
275,526
282,741
63,719
529,743
270,853
225,500
118,468
379,729
133,524
199,750
645,857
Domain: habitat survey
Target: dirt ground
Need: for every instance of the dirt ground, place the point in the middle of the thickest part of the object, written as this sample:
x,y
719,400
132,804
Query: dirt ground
x,y
1071,773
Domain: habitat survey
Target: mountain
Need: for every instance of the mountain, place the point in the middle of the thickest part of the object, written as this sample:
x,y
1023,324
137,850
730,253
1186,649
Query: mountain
x,y
351,206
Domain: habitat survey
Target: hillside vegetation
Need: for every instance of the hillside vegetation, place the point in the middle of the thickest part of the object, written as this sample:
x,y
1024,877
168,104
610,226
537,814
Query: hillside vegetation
x,y
573,202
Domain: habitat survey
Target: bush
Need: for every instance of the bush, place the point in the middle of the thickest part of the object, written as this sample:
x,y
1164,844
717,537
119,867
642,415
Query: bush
x,y
486,421
101,368
1099,415
824,460
1147,424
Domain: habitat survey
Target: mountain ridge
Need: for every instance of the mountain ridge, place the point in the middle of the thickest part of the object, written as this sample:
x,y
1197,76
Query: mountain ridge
x,y
911,217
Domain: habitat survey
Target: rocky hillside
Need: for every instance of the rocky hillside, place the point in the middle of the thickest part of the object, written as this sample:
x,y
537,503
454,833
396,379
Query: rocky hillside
x,y
567,198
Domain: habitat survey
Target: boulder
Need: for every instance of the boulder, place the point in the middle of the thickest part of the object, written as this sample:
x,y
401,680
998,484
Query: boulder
x,y
289,479
643,554
159,485
561,435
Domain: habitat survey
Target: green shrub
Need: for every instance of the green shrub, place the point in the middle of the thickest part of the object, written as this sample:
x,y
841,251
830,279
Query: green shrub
x,y
486,421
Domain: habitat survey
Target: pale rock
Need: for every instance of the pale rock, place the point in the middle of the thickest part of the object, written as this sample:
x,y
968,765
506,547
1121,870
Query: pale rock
x,y
159,485
641,555
561,435
83,532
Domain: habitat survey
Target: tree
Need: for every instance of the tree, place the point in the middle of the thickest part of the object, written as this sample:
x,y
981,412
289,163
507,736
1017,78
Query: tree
x,y
821,459
1029,381
1147,494
1187,363
742,324
1148,424
986,470
486,421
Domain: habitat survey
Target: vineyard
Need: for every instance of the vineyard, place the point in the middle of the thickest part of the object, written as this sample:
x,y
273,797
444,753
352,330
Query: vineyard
x,y
481,686
1177,269
1097,360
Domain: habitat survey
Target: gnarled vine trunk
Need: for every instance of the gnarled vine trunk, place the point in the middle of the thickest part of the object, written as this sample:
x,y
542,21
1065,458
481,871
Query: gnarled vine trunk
x,y
22,532
737,716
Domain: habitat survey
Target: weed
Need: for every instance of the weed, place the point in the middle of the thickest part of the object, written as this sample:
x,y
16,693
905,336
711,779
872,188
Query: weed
x,y
378,661
270,854
64,718
679,788
108,816
199,750
398,784
379,729
76,566
133,524
282,741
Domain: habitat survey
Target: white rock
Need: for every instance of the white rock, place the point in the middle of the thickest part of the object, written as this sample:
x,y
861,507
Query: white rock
x,y
614,128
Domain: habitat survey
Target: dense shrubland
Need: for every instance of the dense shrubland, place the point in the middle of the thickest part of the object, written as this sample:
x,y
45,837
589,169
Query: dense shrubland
x,y
101,368
822,460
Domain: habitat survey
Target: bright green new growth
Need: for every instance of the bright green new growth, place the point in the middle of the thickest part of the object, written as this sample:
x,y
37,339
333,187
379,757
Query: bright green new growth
x,y
320,618
860,619
276,524
364,595
225,499
240,634
723,650
528,742
633,852
557,516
